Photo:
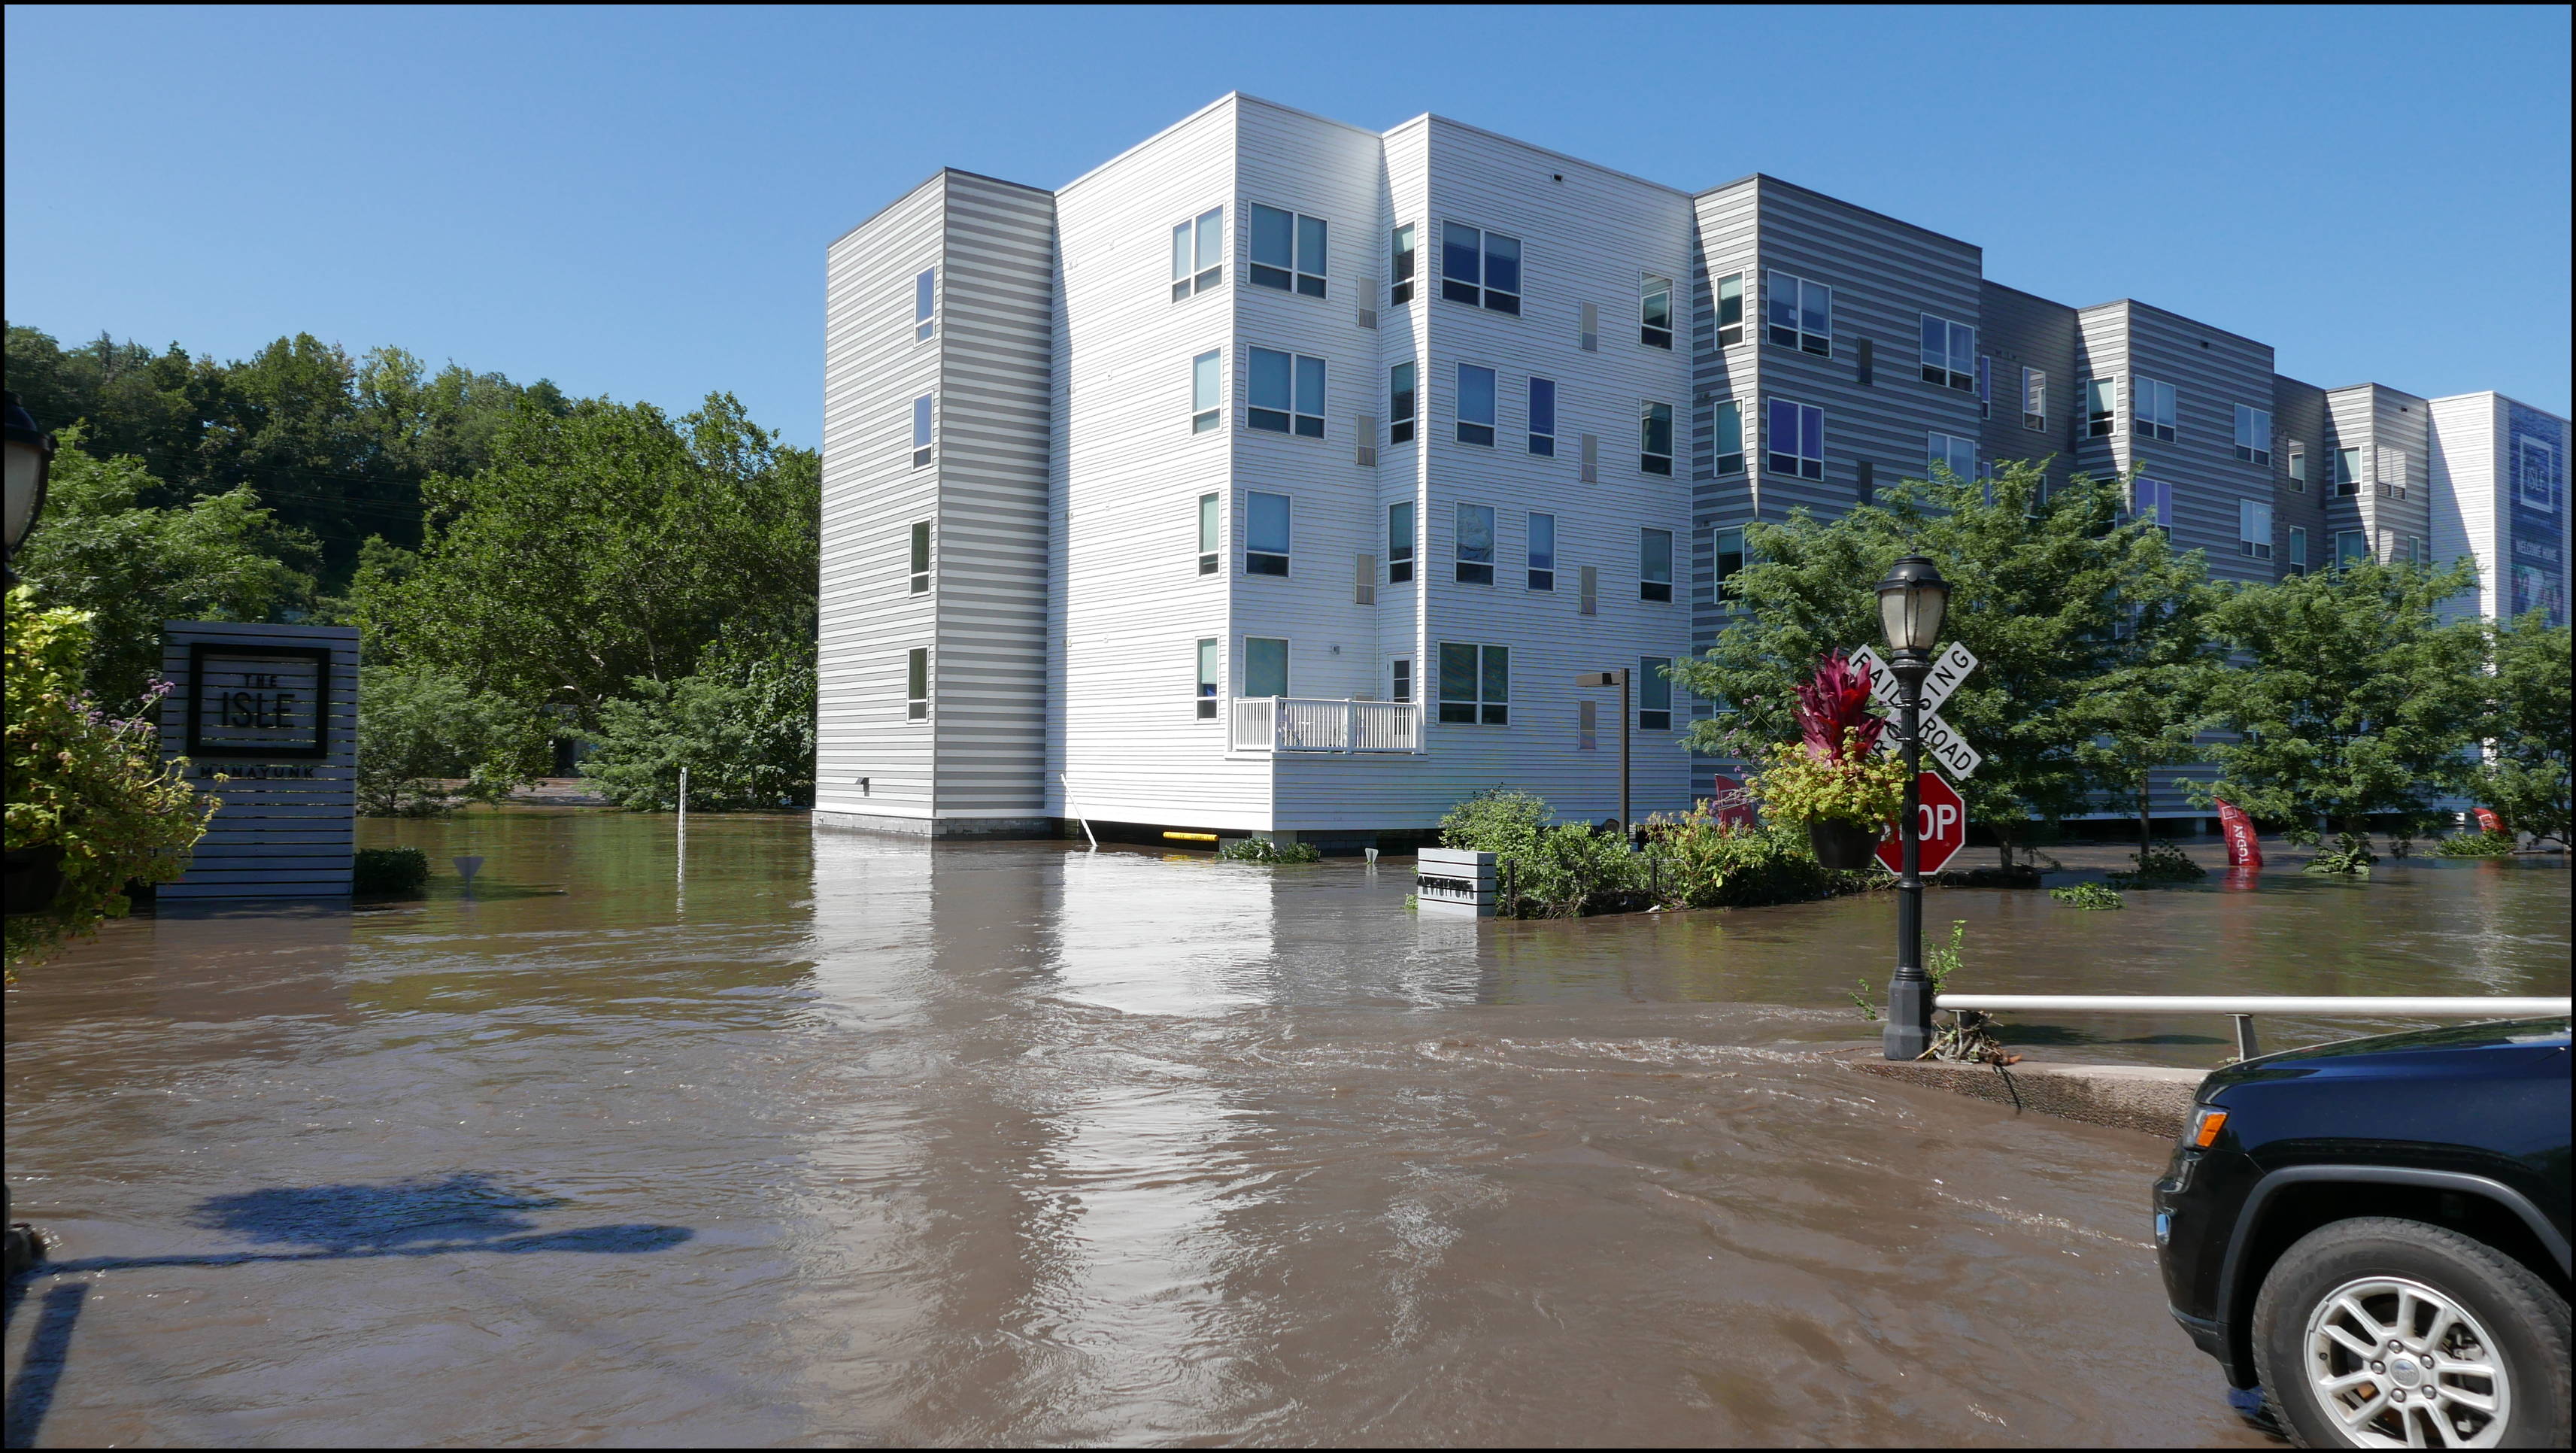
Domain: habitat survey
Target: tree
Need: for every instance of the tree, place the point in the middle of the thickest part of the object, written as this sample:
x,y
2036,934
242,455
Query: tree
x,y
2043,584
743,729
2354,698
88,793
603,547
131,567
2525,775
2147,713
420,730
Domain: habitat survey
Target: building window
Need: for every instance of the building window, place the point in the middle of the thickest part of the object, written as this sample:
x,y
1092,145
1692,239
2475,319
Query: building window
x,y
2034,399
2347,473
1654,694
1399,684
1730,310
1207,679
2253,435
921,436
1802,314
916,684
1728,553
2416,554
1204,380
1655,565
1655,314
1542,417
1287,251
2101,407
1475,545
2352,547
1402,291
1198,253
1265,535
1475,684
1542,552
1481,268
921,558
1475,404
2392,473
2298,457
925,304
1265,666
1399,404
1949,353
1399,542
1797,442
1655,438
1211,534
1730,437
1949,451
2254,528
2151,408
1985,386
2152,499
1287,393
2297,564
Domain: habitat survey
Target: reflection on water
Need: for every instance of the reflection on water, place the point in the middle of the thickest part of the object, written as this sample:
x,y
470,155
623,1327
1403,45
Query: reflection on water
x,y
1018,1143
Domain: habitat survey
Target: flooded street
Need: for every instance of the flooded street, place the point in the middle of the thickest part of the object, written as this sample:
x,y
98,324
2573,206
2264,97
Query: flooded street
x,y
835,1139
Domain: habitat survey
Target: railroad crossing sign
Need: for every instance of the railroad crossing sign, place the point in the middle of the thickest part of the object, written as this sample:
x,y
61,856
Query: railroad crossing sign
x,y
1940,739
1943,817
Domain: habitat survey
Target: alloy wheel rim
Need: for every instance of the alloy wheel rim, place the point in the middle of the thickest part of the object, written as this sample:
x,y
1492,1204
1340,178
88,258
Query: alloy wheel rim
x,y
2394,1363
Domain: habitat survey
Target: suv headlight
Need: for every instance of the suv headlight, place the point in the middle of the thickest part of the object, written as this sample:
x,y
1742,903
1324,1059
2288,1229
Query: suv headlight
x,y
2200,1132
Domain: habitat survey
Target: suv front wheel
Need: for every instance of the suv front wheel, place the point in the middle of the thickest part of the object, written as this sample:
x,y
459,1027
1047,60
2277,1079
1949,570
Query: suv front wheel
x,y
2383,1333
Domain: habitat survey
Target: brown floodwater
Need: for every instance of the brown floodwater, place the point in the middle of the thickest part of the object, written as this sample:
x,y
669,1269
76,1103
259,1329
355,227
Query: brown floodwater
x,y
837,1139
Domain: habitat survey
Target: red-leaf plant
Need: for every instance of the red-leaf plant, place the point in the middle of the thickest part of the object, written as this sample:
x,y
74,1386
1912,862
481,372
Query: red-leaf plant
x,y
1834,722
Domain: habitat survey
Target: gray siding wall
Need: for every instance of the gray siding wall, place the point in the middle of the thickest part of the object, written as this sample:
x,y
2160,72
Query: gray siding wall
x,y
281,837
2393,431
2211,372
2299,421
2021,331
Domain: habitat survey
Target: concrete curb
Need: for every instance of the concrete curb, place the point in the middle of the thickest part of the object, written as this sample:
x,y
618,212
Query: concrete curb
x,y
2147,1098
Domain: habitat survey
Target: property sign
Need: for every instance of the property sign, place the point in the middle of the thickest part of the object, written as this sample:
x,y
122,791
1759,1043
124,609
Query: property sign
x,y
267,717
1942,816
257,700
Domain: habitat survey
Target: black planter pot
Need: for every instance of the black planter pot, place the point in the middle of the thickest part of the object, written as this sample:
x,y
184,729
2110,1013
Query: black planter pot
x,y
35,875
1844,847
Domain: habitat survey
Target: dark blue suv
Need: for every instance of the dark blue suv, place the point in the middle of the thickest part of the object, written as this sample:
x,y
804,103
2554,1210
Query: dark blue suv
x,y
2375,1234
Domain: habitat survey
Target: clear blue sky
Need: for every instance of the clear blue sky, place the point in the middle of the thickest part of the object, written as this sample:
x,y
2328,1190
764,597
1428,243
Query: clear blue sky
x,y
636,202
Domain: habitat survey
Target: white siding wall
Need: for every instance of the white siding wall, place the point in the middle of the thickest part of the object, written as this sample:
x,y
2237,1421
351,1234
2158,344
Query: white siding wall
x,y
281,837
2468,501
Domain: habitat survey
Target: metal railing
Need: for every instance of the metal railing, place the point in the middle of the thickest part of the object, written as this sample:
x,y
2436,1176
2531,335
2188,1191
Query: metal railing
x,y
2243,1007
1314,724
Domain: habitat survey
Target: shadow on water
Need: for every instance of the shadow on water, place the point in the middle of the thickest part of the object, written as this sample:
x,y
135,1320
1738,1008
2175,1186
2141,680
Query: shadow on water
x,y
461,1213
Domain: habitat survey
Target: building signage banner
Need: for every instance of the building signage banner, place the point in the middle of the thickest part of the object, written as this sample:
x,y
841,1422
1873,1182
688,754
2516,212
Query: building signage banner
x,y
2244,849
2535,462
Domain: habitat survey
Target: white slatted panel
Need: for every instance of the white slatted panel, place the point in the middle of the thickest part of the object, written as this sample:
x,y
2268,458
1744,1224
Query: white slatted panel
x,y
278,833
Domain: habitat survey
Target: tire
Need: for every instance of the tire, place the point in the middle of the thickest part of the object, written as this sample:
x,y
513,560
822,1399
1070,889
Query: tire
x,y
2379,1277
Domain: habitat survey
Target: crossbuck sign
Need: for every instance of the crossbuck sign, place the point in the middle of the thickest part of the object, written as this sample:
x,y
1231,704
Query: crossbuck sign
x,y
1940,739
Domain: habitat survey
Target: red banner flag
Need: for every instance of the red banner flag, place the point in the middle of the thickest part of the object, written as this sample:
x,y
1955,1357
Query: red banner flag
x,y
2487,819
2243,851
1730,804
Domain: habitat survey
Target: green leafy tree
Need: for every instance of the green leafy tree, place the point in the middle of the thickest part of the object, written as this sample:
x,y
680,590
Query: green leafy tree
x,y
2148,712
744,730
604,547
427,740
87,790
2353,699
102,550
2043,584
2525,775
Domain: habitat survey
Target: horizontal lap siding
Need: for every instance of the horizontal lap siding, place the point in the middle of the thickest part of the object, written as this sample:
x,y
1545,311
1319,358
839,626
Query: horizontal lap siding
x,y
1727,230
2299,415
2468,505
2211,373
285,837
2019,330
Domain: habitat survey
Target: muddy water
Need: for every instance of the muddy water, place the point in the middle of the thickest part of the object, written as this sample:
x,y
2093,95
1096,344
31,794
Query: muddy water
x,y
833,1139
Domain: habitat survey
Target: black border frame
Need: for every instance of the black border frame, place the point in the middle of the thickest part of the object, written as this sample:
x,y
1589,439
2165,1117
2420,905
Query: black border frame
x,y
320,656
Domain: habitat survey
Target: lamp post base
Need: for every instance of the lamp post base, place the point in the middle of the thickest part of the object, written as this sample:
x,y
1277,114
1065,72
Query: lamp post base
x,y
1909,1019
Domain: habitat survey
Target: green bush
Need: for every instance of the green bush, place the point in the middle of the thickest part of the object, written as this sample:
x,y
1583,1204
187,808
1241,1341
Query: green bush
x,y
2088,895
743,728
1263,850
2350,857
2160,863
2475,845
1497,820
1691,861
385,872
1699,862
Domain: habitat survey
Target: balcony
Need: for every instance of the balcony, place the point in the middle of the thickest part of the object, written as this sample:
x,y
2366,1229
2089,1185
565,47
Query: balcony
x,y
1305,724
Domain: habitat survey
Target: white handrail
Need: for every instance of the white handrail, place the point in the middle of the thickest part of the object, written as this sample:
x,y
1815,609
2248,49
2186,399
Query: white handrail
x,y
2393,1007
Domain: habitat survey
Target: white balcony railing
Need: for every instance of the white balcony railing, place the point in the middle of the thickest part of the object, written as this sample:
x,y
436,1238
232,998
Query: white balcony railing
x,y
1306,724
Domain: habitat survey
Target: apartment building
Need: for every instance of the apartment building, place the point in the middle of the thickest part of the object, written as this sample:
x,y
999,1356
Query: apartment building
x,y
1280,476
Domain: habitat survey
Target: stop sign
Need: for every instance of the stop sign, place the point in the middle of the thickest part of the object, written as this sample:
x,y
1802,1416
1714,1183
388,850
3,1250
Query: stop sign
x,y
1943,818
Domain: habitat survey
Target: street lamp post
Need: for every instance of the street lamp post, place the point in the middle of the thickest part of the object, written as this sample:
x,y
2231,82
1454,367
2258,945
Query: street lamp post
x,y
1911,601
1620,680
30,460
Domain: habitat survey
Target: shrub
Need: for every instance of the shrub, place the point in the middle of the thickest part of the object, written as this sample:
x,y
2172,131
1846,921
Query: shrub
x,y
2161,863
2088,895
2350,857
1263,850
2475,845
1699,862
1497,820
1571,871
88,785
743,728
385,872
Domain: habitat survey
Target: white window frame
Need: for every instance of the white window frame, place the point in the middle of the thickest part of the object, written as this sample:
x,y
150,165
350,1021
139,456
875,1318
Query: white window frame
x,y
1457,288
2295,457
1541,577
925,304
1211,532
1209,666
917,683
1717,554
1482,711
2297,564
1294,421
1779,286
1207,391
2347,472
1459,563
922,541
2341,558
1723,410
1198,253
925,429
2253,424
1251,521
2102,422
1647,586
1305,276
2034,390
1400,549
1404,261
1729,333
1802,464
2155,416
1950,449
1403,401
2149,493
1654,686
1649,332
1648,461
1953,362
1287,659
1484,430
2254,528
1542,442
1399,683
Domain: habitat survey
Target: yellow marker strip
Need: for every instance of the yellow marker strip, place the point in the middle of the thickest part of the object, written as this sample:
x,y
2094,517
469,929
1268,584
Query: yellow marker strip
x,y
1191,837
